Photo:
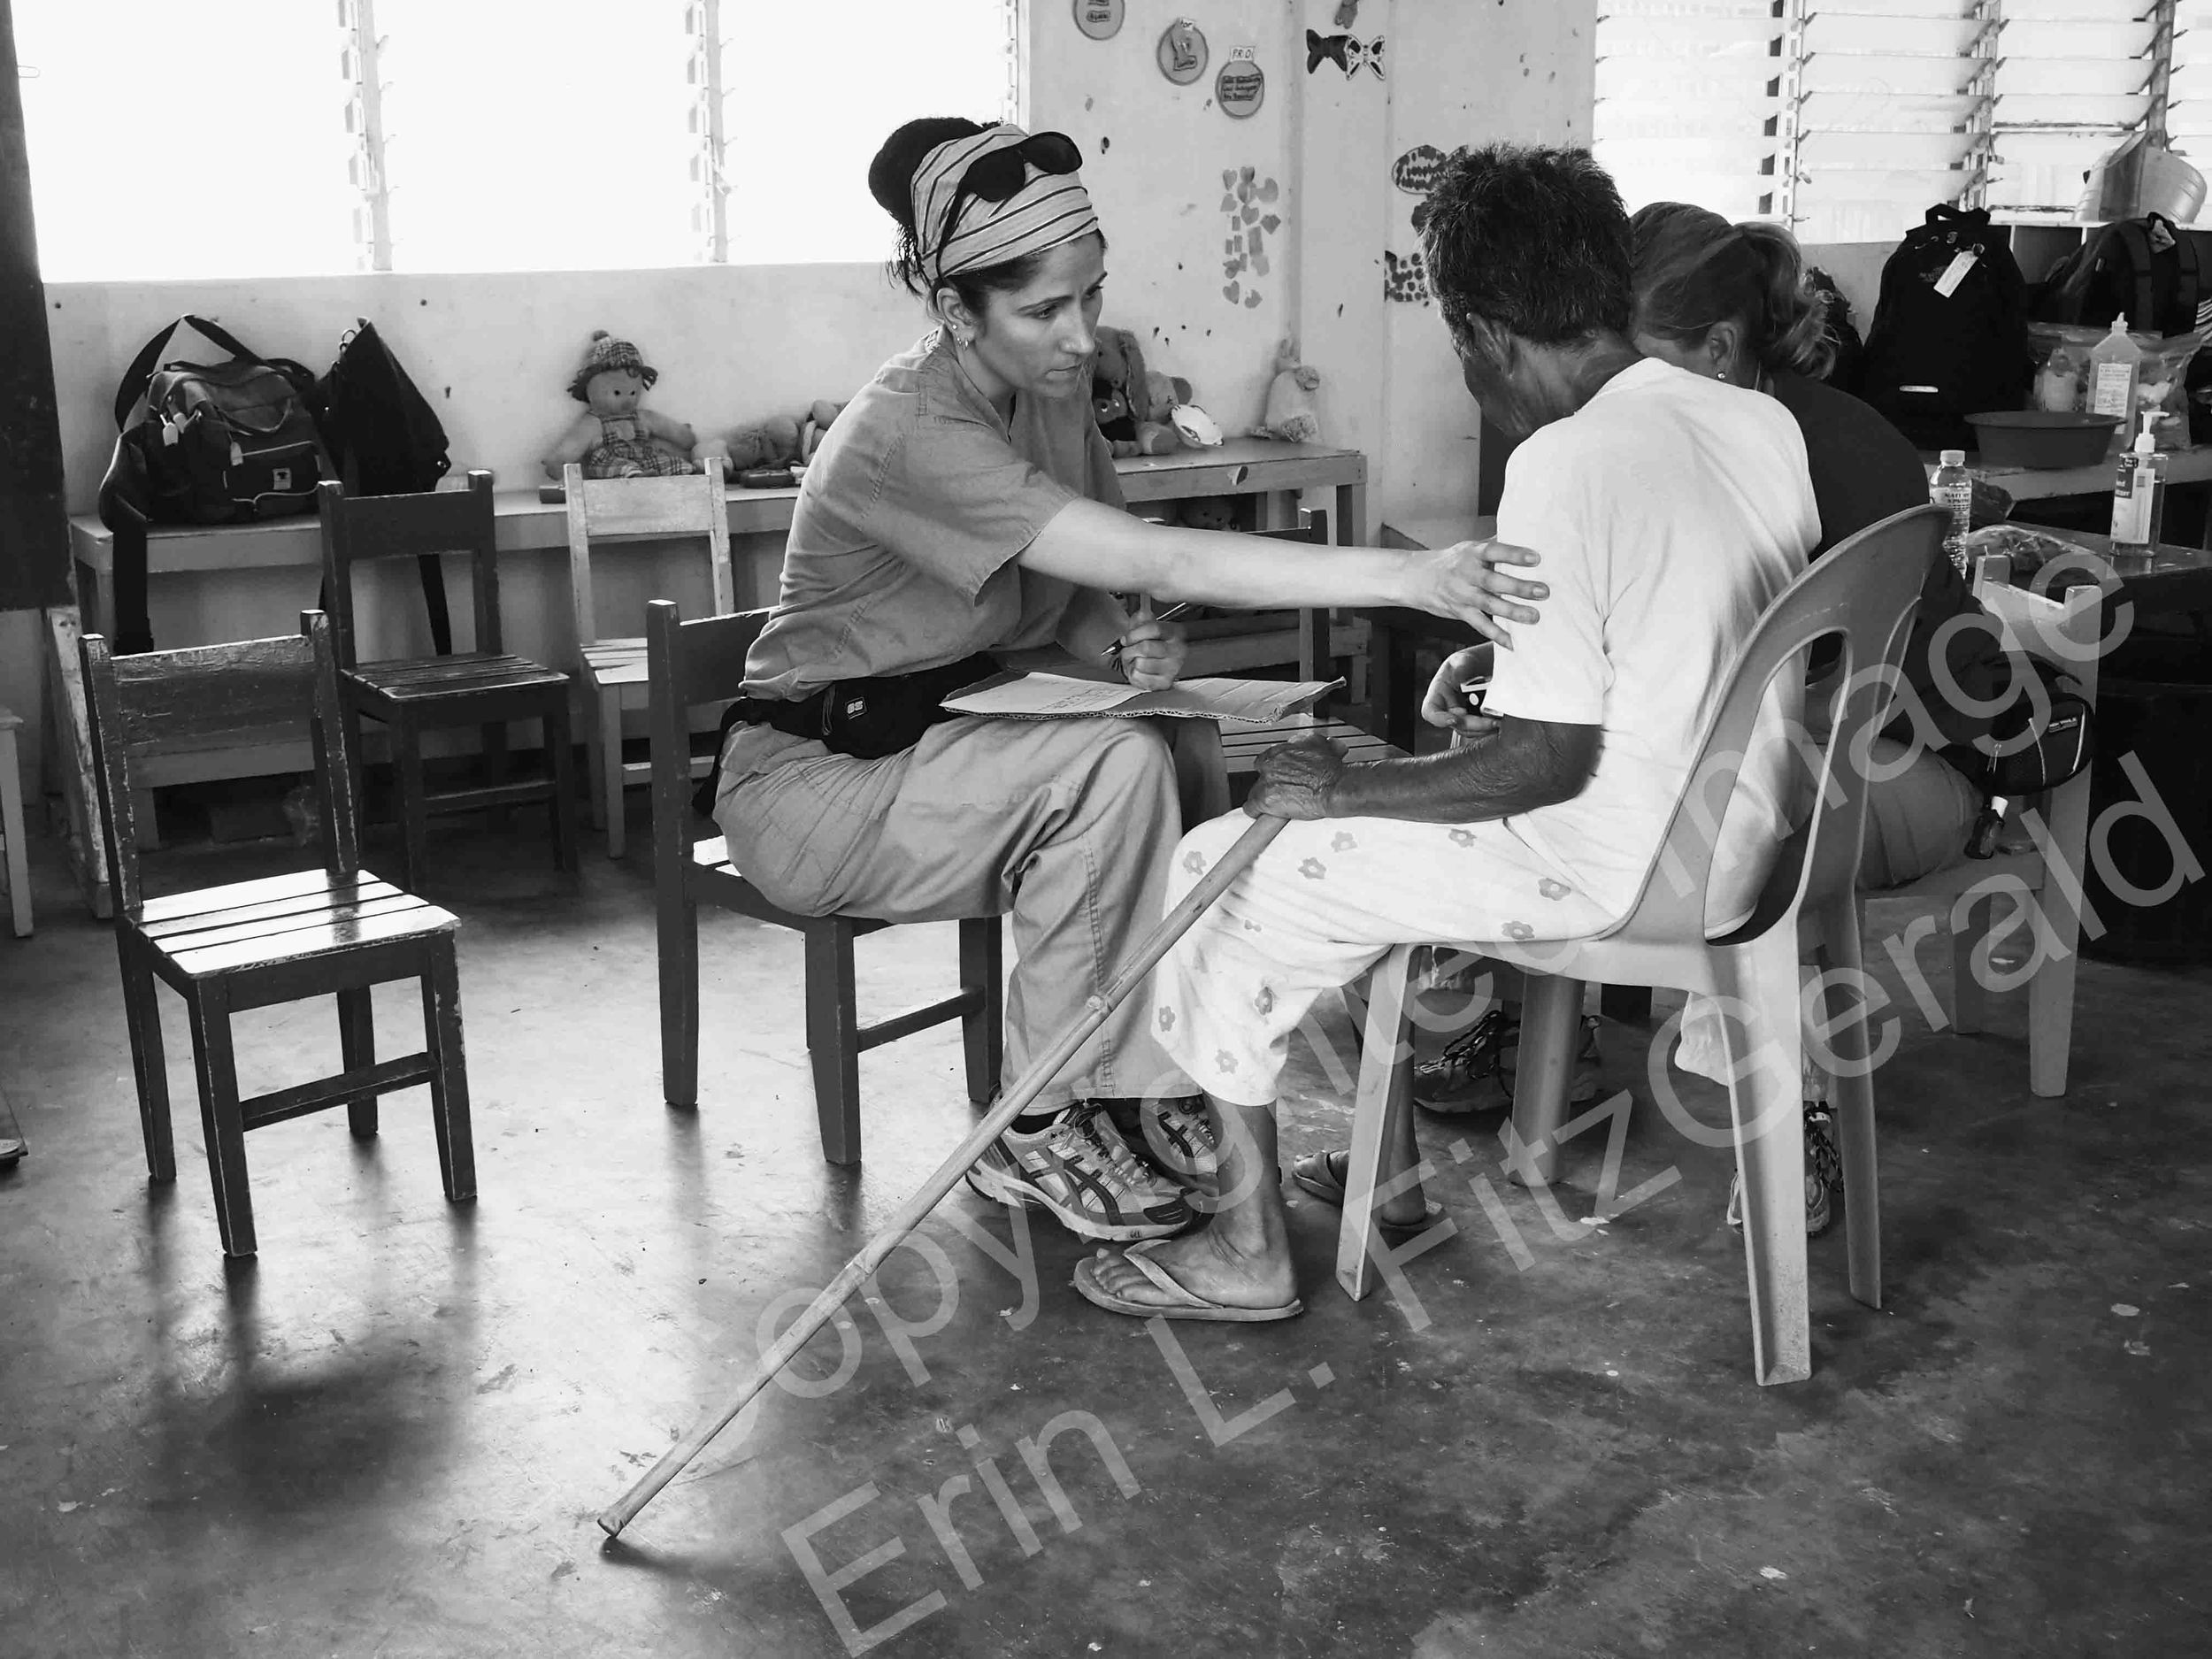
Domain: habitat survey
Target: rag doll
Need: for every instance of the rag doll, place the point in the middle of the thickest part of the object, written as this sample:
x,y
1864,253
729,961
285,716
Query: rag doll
x,y
617,436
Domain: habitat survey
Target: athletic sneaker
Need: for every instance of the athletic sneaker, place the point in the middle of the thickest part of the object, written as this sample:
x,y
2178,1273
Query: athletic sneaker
x,y
1174,1135
1079,1168
1476,1070
1824,1173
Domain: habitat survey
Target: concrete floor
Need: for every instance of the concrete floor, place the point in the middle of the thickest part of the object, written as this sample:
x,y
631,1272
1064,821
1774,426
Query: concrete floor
x,y
389,1434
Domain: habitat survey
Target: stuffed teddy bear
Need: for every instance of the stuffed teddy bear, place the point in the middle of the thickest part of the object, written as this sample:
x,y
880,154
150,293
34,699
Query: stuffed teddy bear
x,y
617,436
1293,415
783,439
1128,402
1207,513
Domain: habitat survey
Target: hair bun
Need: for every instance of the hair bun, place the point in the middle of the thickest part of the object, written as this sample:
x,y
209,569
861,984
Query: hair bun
x,y
891,174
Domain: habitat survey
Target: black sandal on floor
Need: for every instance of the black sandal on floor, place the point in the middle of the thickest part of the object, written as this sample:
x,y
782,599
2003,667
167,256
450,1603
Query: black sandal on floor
x,y
1317,1174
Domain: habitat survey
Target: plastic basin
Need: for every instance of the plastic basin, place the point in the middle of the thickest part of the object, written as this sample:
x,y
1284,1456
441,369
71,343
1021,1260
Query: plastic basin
x,y
2042,438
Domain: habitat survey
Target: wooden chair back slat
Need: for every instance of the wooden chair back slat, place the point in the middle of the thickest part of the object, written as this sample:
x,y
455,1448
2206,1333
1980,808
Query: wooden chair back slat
x,y
187,698
361,528
686,663
613,508
156,701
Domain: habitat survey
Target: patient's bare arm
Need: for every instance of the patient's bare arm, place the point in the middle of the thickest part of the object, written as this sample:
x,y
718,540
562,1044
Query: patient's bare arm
x,y
1521,765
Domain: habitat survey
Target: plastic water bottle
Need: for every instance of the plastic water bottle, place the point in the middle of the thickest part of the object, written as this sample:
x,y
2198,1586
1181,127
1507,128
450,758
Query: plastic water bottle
x,y
1952,489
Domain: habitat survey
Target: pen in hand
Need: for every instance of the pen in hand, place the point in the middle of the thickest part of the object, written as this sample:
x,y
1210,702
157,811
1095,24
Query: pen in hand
x,y
1167,615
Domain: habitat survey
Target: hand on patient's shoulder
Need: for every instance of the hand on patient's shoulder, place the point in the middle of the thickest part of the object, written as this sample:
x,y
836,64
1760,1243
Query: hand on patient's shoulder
x,y
1295,781
1465,580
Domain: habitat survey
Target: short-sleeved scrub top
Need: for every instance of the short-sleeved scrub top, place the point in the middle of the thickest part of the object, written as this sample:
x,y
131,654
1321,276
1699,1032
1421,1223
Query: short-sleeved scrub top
x,y
903,548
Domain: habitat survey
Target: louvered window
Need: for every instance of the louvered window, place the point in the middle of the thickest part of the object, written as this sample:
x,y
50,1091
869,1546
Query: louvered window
x,y
1848,120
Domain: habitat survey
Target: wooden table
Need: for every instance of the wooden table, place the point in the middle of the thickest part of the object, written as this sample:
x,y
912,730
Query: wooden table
x,y
2192,466
2169,578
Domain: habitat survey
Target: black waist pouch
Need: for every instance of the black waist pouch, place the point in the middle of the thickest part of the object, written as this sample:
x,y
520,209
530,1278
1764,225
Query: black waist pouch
x,y
866,718
887,715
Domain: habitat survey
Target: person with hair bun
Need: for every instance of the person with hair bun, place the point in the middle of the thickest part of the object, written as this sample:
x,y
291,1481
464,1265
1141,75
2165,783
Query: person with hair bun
x,y
1732,301
964,504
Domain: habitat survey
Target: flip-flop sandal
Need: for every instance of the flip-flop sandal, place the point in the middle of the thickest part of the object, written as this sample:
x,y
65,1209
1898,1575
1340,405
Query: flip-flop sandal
x,y
1314,1174
1184,1304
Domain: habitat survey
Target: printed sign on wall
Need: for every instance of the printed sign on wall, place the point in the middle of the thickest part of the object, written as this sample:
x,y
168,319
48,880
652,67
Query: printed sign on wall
x,y
1240,87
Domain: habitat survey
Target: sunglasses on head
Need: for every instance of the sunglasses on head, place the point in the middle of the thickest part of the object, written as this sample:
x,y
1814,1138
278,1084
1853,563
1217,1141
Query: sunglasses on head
x,y
999,176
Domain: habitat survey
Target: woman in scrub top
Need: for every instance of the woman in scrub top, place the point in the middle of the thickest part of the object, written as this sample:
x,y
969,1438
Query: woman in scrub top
x,y
964,503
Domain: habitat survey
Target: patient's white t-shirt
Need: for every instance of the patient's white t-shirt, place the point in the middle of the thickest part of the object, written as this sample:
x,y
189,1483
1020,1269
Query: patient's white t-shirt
x,y
1670,510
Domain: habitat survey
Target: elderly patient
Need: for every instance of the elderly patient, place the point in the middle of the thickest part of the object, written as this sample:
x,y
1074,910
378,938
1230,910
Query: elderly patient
x,y
1669,510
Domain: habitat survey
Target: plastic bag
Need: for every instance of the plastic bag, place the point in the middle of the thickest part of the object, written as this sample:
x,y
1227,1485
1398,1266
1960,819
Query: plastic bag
x,y
2028,549
2061,353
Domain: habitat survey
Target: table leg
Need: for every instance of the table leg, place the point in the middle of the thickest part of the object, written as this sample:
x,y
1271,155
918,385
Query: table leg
x,y
1392,683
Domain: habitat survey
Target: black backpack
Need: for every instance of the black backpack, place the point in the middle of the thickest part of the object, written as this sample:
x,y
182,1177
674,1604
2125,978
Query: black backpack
x,y
382,433
385,440
1949,337
219,443
2122,270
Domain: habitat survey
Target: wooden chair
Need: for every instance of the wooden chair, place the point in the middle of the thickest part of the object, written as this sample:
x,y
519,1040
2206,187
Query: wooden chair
x,y
15,857
604,509
484,688
2065,634
703,662
337,929
1867,590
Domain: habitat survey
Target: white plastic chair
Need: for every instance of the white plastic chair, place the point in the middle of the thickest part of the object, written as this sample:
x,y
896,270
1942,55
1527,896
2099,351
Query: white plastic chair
x,y
2065,634
1865,590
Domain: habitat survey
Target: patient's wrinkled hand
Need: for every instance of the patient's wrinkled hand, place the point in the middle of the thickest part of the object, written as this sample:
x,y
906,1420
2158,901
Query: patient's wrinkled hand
x,y
1464,580
1297,779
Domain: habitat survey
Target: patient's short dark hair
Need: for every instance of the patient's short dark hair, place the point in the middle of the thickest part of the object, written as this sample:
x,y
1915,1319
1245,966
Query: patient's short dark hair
x,y
1532,239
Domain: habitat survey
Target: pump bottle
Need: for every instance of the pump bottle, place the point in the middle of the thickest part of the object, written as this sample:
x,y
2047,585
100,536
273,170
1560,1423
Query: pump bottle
x,y
2138,496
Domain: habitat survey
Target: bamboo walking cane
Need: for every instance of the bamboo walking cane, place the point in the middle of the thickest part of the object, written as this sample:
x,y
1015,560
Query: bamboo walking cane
x,y
1172,926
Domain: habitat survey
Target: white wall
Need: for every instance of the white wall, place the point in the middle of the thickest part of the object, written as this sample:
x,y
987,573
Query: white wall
x,y
1472,74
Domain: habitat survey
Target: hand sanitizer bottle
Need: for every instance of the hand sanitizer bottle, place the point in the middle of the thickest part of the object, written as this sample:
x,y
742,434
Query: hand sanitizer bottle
x,y
2138,496
2113,368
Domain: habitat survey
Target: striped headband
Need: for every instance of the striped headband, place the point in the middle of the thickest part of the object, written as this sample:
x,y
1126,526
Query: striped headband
x,y
1048,209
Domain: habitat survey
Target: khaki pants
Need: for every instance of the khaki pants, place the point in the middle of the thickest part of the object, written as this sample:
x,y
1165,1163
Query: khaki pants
x,y
1066,825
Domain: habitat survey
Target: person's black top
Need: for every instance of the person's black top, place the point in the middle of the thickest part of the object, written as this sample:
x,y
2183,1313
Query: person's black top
x,y
1863,471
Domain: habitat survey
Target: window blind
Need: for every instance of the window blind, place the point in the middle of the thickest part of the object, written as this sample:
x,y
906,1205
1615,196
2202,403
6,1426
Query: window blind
x,y
1687,102
2074,78
1847,118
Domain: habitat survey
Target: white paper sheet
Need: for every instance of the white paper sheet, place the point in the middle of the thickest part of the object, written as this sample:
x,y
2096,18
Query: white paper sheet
x,y
1060,696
